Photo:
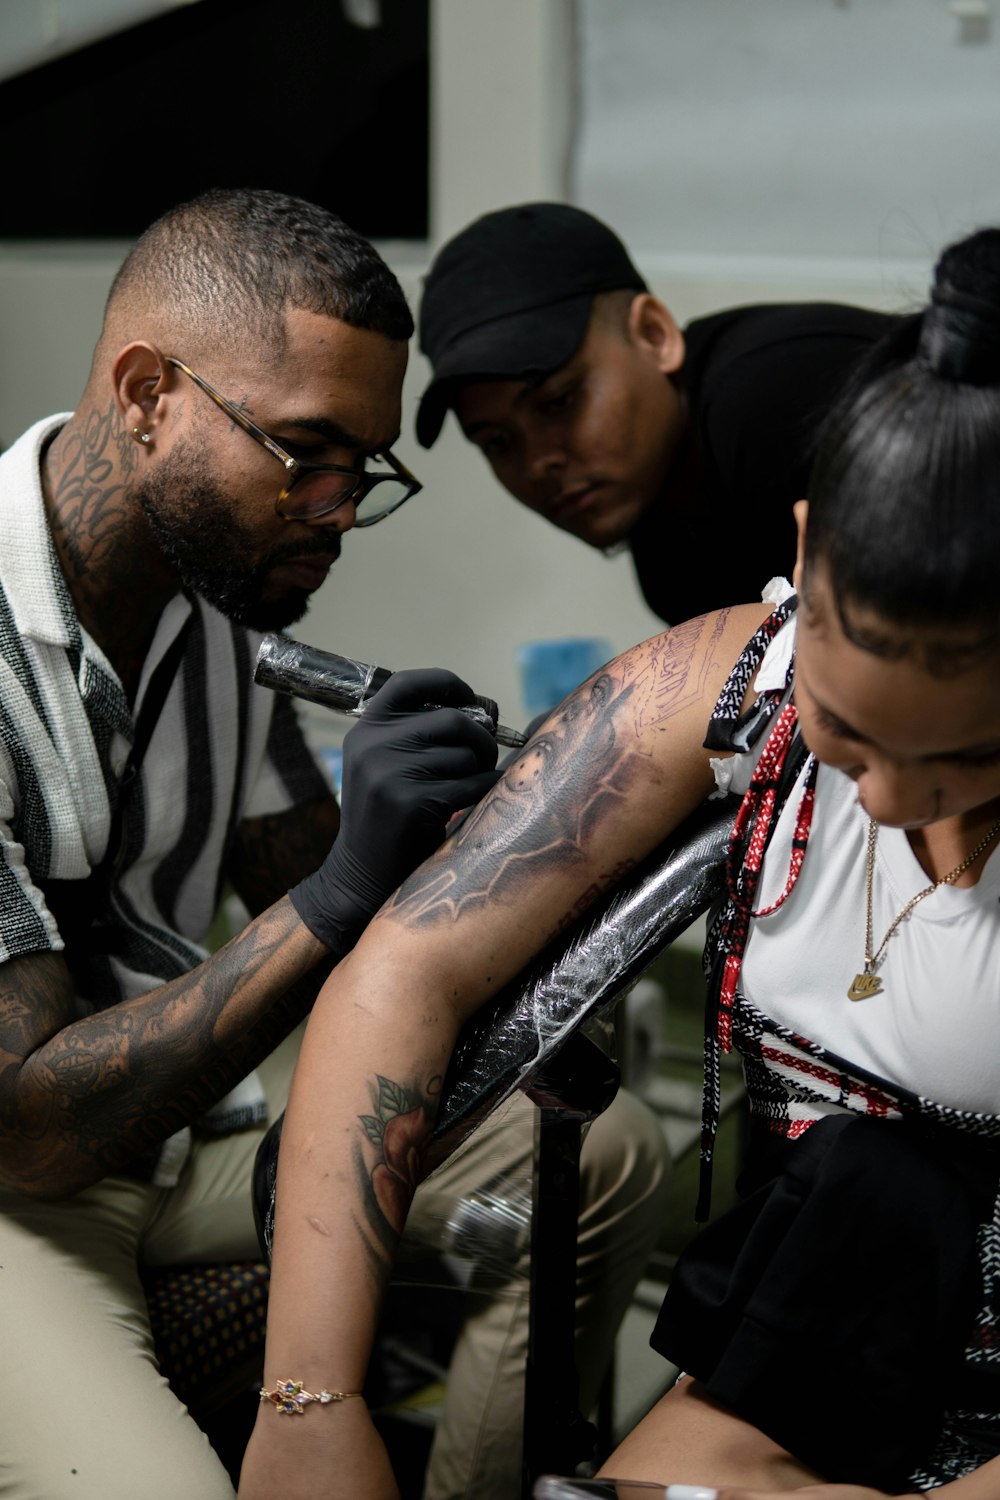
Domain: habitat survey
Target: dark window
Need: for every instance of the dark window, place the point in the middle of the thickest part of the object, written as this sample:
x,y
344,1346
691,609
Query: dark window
x,y
283,94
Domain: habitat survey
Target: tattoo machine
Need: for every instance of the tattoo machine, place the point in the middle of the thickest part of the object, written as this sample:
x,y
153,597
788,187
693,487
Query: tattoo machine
x,y
303,671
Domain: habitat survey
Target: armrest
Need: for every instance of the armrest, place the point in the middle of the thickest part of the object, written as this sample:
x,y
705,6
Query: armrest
x,y
579,977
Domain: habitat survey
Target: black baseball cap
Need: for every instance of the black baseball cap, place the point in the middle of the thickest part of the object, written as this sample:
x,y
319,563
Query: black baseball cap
x,y
510,297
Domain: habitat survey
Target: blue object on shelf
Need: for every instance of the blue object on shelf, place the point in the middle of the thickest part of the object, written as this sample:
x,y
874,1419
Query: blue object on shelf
x,y
333,763
552,669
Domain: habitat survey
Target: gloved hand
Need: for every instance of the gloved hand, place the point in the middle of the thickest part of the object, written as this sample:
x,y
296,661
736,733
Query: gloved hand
x,y
406,769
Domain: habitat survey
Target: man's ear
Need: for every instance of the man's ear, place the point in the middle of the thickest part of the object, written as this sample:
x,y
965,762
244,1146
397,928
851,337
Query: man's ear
x,y
652,327
141,375
800,511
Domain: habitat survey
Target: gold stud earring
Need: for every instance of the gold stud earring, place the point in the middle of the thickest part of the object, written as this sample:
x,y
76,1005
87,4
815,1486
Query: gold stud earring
x,y
143,437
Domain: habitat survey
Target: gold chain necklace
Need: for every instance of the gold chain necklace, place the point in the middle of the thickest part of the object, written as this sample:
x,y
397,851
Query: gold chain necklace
x,y
867,983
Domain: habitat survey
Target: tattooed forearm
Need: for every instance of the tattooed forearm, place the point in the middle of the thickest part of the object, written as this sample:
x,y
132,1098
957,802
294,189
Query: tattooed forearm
x,y
91,1094
575,773
389,1161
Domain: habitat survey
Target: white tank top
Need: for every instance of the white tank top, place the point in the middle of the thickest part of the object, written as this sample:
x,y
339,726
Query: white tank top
x,y
935,1026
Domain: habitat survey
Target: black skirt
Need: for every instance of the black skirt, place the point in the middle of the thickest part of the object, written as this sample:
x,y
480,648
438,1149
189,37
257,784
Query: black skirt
x,y
832,1306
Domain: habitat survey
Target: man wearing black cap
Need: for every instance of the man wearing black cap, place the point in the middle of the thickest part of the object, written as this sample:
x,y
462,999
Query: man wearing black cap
x,y
596,410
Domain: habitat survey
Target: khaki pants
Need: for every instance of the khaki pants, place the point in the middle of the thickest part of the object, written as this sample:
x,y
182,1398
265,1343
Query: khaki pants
x,y
86,1414
624,1168
84,1411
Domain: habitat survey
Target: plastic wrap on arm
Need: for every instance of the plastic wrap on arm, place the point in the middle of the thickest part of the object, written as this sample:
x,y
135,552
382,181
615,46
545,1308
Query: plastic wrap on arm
x,y
582,975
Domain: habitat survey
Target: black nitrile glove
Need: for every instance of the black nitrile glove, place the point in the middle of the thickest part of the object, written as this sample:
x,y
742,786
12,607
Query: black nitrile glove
x,y
406,769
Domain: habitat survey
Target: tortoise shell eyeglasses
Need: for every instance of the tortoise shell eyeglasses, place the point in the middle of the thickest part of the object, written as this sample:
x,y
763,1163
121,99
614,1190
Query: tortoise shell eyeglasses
x,y
314,490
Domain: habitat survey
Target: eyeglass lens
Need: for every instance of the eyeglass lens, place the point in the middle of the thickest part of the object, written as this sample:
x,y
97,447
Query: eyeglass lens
x,y
318,494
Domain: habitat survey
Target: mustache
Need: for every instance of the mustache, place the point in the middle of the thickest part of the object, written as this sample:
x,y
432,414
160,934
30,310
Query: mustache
x,y
328,546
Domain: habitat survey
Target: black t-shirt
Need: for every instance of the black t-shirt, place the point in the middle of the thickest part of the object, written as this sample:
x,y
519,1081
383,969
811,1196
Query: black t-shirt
x,y
759,381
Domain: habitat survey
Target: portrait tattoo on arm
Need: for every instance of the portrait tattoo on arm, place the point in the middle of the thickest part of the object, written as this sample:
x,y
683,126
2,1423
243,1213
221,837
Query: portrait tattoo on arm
x,y
576,773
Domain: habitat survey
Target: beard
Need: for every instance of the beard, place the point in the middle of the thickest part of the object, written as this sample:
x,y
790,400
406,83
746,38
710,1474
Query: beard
x,y
196,526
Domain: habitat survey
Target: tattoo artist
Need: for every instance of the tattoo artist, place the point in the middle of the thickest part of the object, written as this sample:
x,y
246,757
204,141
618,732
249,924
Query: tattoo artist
x,y
237,421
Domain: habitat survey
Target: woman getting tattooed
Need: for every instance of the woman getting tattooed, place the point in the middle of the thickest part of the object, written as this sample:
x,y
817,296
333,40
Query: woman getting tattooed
x,y
840,1326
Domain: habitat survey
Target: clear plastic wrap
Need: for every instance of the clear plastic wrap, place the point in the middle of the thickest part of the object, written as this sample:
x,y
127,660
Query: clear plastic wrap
x,y
578,979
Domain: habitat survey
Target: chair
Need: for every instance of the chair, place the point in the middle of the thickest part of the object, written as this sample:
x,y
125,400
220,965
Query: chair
x,y
208,1326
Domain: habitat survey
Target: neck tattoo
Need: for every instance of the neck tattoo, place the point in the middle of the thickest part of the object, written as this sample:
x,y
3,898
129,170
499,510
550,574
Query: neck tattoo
x,y
867,983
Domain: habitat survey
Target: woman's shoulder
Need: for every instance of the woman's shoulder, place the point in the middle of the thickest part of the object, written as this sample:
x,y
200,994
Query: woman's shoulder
x,y
685,669
756,689
664,692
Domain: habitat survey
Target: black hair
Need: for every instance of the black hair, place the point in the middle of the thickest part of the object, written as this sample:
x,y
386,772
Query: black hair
x,y
230,262
904,495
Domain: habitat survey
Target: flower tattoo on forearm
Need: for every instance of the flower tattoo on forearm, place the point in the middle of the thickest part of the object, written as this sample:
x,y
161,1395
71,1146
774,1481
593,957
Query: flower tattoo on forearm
x,y
399,1129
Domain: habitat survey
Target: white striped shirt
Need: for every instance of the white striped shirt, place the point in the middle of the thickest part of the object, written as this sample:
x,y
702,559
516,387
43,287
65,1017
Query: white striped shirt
x,y
222,750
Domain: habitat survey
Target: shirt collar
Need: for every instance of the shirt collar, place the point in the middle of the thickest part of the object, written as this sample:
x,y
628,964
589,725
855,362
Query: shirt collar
x,y
36,590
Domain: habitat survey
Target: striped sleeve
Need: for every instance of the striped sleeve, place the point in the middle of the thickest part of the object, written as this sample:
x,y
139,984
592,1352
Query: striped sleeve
x,y
289,773
26,925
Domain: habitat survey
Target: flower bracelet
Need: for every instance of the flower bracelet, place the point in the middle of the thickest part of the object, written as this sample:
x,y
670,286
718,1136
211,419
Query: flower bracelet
x,y
291,1396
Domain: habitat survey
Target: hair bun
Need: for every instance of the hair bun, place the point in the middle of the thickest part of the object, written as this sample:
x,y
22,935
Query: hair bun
x,y
960,332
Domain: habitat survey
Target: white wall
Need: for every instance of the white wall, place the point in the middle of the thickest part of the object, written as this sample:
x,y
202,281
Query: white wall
x,y
827,130
462,575
459,577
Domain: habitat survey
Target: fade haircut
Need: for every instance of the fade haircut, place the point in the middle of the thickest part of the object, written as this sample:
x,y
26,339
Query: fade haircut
x,y
226,266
